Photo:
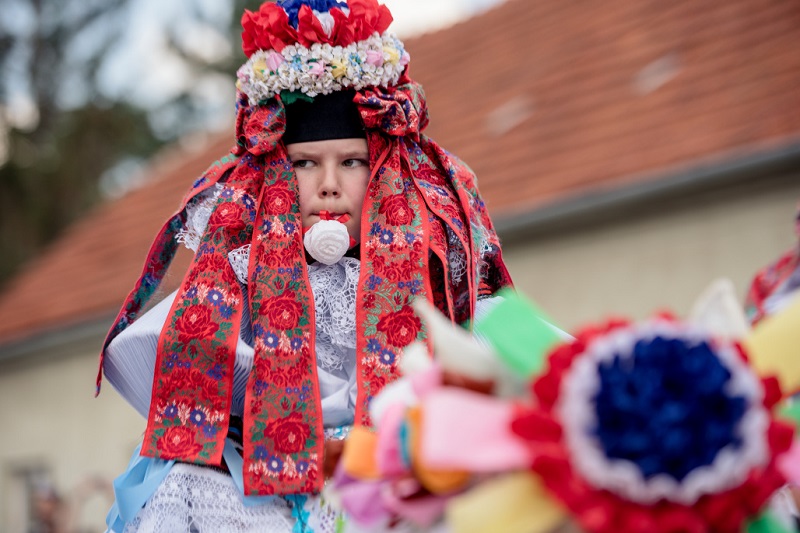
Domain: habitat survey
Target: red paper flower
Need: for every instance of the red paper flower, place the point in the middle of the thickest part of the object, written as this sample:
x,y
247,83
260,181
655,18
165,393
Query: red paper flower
x,y
309,28
270,28
289,433
266,29
368,17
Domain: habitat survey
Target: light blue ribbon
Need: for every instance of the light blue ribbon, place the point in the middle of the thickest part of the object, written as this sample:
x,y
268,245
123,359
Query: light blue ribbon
x,y
134,487
145,474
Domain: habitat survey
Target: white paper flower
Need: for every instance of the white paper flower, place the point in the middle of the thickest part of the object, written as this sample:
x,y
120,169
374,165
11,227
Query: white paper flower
x,y
327,241
377,61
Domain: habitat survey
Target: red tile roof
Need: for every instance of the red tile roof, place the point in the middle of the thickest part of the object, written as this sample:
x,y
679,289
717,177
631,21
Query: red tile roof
x,y
543,99
730,71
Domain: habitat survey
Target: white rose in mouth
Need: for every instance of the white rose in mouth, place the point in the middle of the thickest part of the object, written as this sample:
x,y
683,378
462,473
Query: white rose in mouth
x,y
327,241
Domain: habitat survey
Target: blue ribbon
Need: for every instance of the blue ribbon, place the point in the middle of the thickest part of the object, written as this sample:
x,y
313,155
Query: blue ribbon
x,y
134,487
144,475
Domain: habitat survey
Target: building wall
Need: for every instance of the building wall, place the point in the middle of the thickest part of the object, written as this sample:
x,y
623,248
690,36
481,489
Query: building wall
x,y
660,256
51,421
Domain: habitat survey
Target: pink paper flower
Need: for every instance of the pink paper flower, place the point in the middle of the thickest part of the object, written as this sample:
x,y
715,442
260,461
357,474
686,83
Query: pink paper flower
x,y
275,60
375,58
317,69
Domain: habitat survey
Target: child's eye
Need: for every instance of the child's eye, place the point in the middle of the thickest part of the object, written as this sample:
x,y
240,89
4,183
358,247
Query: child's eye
x,y
302,163
353,163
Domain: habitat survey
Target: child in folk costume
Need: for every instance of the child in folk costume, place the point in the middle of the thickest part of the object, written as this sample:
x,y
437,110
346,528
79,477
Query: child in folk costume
x,y
270,350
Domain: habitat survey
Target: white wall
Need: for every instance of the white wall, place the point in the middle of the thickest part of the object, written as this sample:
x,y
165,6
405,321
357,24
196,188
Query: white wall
x,y
49,417
660,259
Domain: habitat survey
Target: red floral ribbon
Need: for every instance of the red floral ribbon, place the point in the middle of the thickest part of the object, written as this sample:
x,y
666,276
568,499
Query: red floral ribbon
x,y
771,279
417,194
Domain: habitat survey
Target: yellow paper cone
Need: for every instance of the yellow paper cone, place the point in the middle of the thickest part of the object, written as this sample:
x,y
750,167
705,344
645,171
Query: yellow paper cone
x,y
774,347
516,503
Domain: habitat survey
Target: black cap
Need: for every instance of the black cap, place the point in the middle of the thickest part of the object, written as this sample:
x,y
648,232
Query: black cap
x,y
327,116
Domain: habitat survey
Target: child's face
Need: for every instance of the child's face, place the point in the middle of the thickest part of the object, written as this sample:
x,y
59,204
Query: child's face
x,y
332,176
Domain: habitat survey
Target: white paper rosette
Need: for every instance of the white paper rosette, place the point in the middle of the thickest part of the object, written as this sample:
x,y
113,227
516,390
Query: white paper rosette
x,y
327,241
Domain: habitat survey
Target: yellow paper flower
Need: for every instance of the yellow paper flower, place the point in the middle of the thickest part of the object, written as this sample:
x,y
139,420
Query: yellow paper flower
x,y
394,55
259,68
338,68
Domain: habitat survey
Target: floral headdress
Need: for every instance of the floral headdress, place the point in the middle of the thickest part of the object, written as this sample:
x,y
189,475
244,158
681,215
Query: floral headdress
x,y
319,47
425,234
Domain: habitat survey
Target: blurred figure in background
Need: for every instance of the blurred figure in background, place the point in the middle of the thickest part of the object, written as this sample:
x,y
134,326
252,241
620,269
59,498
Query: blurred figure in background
x,y
772,289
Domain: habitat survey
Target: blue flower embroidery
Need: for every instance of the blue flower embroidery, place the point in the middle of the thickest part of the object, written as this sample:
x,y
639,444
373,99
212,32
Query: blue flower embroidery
x,y
197,417
210,431
387,357
271,339
275,464
215,297
215,372
260,453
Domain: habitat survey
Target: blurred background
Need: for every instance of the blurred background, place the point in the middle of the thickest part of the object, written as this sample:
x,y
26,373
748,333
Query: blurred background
x,y
630,152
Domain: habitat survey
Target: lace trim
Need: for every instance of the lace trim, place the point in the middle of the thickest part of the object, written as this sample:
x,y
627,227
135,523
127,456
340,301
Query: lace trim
x,y
322,516
195,498
456,257
334,287
239,259
197,215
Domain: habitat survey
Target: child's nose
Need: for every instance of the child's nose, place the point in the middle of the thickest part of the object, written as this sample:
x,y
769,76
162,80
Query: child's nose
x,y
330,185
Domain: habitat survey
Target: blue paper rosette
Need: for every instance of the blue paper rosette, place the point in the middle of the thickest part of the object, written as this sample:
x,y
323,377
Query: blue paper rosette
x,y
655,427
